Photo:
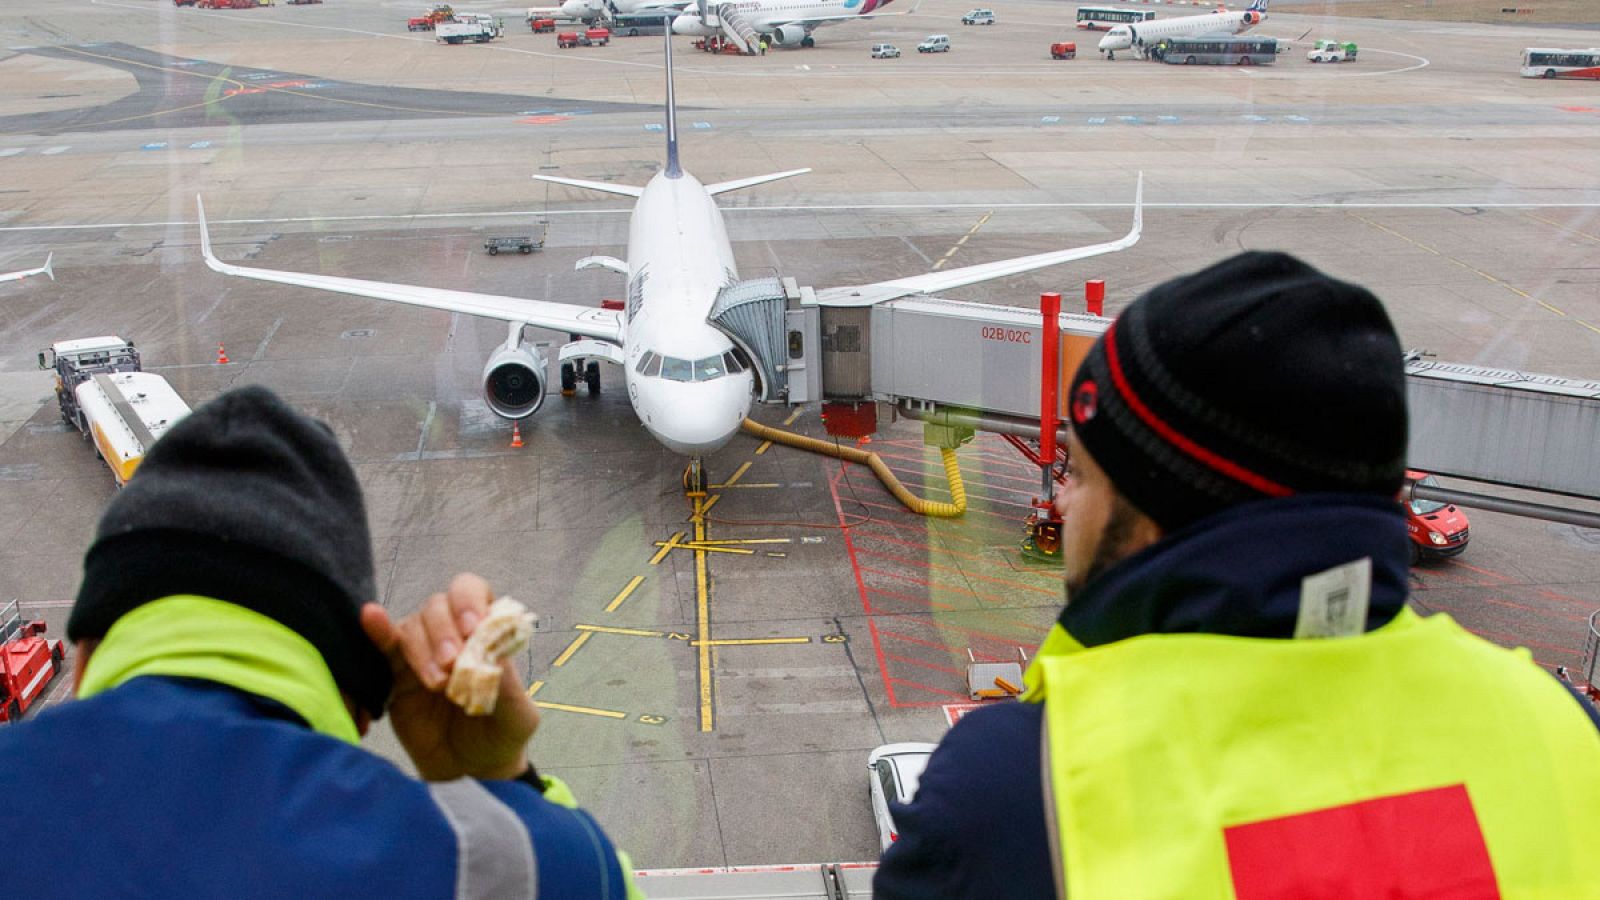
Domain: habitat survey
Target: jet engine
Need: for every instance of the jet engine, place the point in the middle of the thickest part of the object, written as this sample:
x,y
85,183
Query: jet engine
x,y
1252,17
514,381
790,35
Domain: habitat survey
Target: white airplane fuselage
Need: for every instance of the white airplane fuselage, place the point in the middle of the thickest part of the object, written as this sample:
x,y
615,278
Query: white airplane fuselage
x,y
679,258
1156,30
767,16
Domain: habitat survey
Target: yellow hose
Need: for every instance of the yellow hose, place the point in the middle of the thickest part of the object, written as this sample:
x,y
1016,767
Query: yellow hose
x,y
952,470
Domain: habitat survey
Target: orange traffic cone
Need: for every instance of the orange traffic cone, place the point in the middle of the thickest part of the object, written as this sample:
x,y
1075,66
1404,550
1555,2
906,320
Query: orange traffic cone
x,y
516,435
222,356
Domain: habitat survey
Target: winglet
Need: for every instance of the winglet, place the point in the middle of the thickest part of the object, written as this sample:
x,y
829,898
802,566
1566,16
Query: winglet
x,y
674,170
1138,210
47,270
214,264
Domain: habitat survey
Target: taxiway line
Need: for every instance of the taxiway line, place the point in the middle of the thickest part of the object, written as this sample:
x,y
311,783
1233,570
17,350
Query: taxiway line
x,y
623,595
608,629
747,642
666,548
572,648
585,710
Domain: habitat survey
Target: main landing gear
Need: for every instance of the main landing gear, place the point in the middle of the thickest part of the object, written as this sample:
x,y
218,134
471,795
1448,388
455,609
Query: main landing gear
x,y
569,378
694,478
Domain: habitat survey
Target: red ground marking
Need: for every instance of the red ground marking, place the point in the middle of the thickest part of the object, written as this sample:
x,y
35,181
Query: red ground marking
x,y
942,550
919,529
1489,572
954,711
912,479
919,601
1453,578
1511,641
985,453
1552,595
1542,611
987,615
1011,519
938,466
1580,108
542,120
985,598
964,574
926,665
1422,844
861,589
930,689
984,635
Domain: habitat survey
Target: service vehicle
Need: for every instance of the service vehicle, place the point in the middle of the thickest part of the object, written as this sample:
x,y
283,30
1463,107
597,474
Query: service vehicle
x,y
525,243
1332,52
495,26
935,43
104,393
593,37
1105,18
540,26
885,51
1218,50
28,662
464,33
893,771
226,4
420,23
301,2
183,2
1541,62
1437,530
978,17
1064,50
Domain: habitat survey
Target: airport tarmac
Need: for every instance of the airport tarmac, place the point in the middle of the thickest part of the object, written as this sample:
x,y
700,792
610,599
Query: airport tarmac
x,y
711,691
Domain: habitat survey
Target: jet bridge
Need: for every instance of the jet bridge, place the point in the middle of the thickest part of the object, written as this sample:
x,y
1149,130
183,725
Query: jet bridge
x,y
960,366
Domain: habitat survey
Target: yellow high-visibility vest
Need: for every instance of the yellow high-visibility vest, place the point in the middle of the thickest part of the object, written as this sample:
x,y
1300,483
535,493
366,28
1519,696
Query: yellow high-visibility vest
x,y
1415,760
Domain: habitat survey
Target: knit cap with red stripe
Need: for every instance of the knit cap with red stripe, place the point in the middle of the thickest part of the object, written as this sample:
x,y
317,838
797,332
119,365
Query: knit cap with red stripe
x,y
1257,377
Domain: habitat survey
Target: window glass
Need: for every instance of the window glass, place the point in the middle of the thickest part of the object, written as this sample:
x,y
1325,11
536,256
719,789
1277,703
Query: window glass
x,y
644,361
732,362
709,369
676,369
655,366
886,778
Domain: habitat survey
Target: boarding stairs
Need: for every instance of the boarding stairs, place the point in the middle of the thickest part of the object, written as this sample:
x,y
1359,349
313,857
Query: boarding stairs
x,y
736,27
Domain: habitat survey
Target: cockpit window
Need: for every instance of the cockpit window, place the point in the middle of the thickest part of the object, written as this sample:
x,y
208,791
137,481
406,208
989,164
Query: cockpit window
x,y
709,369
732,363
654,368
676,369
644,361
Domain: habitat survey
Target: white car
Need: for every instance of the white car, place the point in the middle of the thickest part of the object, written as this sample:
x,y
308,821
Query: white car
x,y
978,17
894,770
885,51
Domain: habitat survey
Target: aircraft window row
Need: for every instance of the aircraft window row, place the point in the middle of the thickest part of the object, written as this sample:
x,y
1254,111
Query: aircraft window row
x,y
711,368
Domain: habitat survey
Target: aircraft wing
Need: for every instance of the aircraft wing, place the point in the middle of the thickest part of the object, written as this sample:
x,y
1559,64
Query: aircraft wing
x,y
583,320
868,294
42,270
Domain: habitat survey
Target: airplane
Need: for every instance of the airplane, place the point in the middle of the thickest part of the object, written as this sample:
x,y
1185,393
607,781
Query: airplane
x,y
788,22
687,382
42,270
607,10
1147,34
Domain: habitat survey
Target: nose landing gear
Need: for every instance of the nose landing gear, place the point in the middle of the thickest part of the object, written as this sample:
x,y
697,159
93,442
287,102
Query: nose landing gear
x,y
694,478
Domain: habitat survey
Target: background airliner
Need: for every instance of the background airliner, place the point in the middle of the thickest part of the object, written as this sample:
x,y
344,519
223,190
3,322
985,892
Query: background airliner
x,y
1148,34
42,270
590,10
687,384
788,22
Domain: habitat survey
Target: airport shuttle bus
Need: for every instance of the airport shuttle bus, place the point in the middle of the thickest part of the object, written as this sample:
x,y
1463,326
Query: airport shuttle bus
x,y
1218,50
1104,18
1538,62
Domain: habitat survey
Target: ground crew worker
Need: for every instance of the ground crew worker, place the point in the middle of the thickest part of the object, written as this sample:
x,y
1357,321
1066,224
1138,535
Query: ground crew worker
x,y
225,674
1236,701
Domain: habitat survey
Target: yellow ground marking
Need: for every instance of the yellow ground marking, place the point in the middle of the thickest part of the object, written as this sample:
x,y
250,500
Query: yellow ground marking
x,y
777,555
702,584
744,642
617,600
666,548
585,710
534,688
709,503
709,548
767,484
1475,270
607,629
572,648
790,421
737,474
763,448
725,541
1565,227
970,232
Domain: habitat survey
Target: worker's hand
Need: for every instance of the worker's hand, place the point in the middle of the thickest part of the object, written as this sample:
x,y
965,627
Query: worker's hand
x,y
441,739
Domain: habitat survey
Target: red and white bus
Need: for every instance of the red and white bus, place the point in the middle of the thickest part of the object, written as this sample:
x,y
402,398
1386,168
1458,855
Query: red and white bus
x,y
1105,18
1539,62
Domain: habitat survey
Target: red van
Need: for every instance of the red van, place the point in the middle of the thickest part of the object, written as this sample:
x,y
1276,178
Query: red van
x,y
1437,530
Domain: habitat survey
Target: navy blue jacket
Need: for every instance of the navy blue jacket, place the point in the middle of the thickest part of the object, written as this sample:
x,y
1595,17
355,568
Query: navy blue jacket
x,y
977,825
175,787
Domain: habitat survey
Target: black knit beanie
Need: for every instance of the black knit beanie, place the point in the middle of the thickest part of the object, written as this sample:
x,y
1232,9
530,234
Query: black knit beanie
x,y
250,502
1257,377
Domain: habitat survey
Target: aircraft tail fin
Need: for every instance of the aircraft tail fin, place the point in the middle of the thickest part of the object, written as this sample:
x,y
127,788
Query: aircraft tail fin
x,y
722,187
674,170
47,270
1259,5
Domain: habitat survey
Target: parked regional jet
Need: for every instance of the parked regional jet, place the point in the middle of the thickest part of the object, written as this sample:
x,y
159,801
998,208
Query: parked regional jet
x,y
688,384
1140,35
42,270
788,22
605,10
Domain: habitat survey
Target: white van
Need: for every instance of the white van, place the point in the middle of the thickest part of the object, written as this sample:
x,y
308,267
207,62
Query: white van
x,y
885,51
936,43
978,17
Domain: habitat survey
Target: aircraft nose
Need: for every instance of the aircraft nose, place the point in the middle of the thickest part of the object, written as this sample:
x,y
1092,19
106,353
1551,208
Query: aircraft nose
x,y
573,9
683,24
1108,42
694,419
